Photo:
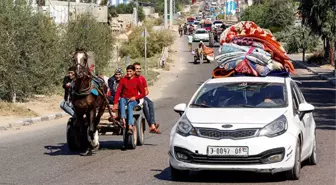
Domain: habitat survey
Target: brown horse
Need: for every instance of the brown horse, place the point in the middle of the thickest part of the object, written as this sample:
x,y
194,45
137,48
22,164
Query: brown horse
x,y
85,102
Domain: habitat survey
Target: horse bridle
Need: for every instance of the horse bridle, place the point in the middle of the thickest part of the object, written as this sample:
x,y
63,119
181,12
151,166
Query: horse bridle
x,y
85,74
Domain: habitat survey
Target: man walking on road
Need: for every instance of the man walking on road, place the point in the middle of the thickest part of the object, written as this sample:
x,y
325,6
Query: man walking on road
x,y
148,104
66,105
190,41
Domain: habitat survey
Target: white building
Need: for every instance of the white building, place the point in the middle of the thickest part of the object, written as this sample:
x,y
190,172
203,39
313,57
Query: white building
x,y
59,10
118,2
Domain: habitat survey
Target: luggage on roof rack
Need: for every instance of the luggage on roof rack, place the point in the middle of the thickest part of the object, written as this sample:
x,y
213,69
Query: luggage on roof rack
x,y
250,50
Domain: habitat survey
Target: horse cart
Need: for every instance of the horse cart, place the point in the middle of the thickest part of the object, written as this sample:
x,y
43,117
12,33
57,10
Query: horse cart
x,y
77,137
130,141
199,56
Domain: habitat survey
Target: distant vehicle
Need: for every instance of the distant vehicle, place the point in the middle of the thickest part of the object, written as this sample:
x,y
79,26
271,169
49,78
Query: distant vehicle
x,y
190,20
201,35
217,23
207,24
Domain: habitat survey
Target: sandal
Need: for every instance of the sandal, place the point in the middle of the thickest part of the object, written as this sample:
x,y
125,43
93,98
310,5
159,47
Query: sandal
x,y
154,131
157,125
130,132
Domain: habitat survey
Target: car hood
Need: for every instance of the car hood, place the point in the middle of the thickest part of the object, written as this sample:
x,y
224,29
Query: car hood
x,y
239,117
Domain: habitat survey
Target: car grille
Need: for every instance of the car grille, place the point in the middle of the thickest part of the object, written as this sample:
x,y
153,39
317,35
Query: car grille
x,y
224,134
226,160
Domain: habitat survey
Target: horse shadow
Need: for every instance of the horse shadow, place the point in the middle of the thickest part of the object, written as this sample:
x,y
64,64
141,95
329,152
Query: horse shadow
x,y
59,149
222,177
62,148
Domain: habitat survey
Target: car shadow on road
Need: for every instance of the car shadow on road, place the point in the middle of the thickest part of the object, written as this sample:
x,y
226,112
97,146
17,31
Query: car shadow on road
x,y
322,95
224,177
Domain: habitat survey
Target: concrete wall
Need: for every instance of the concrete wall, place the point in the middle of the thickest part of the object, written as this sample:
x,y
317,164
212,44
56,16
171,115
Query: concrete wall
x,y
58,10
148,10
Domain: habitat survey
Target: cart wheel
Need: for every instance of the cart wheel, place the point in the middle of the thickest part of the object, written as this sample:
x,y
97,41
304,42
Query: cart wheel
x,y
130,141
71,136
140,124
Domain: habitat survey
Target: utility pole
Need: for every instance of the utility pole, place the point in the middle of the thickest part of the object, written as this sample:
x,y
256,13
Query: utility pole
x,y
145,34
165,15
68,11
303,37
137,12
171,13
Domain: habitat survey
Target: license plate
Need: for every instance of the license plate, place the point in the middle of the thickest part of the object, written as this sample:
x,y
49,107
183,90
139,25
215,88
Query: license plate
x,y
227,151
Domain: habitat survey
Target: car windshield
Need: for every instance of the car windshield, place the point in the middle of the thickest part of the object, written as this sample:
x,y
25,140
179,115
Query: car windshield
x,y
207,25
201,31
246,95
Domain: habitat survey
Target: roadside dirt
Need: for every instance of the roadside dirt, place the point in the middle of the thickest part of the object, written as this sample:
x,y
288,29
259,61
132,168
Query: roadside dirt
x,y
38,106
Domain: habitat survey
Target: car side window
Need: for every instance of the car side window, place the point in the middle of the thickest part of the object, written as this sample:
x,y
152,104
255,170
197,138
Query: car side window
x,y
295,99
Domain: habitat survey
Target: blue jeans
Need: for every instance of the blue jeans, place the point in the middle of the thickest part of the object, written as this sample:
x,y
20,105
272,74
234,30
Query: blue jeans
x,y
148,109
130,105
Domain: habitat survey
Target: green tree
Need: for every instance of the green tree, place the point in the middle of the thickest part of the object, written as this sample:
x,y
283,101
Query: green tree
x,y
86,32
292,37
29,51
271,14
136,45
320,16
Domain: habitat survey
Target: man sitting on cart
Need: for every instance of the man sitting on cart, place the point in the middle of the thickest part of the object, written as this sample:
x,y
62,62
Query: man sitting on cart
x,y
148,107
128,92
113,84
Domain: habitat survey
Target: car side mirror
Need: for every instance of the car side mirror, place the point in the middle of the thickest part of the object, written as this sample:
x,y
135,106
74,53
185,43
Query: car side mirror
x,y
305,108
180,108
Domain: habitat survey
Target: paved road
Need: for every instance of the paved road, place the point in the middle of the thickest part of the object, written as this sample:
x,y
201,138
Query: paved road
x,y
40,155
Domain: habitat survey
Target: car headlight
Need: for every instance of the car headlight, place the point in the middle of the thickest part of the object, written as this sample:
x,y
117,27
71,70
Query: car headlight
x,y
275,128
184,127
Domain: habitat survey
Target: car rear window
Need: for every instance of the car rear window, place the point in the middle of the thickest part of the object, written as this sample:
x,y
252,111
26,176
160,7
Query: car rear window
x,y
242,95
201,31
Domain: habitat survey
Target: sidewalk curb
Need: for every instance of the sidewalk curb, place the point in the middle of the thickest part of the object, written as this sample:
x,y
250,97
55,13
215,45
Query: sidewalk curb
x,y
30,121
325,77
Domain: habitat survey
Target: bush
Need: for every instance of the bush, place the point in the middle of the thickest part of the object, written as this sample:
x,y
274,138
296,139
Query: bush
x,y
317,58
292,37
135,48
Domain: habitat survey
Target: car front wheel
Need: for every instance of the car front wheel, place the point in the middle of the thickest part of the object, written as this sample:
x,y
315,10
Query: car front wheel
x,y
294,173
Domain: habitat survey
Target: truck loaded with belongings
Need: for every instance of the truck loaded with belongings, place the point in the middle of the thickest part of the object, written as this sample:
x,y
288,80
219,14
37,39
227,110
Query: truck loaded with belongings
x,y
247,49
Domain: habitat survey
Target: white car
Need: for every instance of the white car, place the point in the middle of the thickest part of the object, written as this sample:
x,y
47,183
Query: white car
x,y
201,35
260,124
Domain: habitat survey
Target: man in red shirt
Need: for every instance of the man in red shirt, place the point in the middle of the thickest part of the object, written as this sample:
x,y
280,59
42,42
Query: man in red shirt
x,y
128,92
148,107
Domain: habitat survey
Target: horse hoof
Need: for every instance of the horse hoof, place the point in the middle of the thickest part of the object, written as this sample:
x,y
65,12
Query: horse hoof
x,y
95,148
88,152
